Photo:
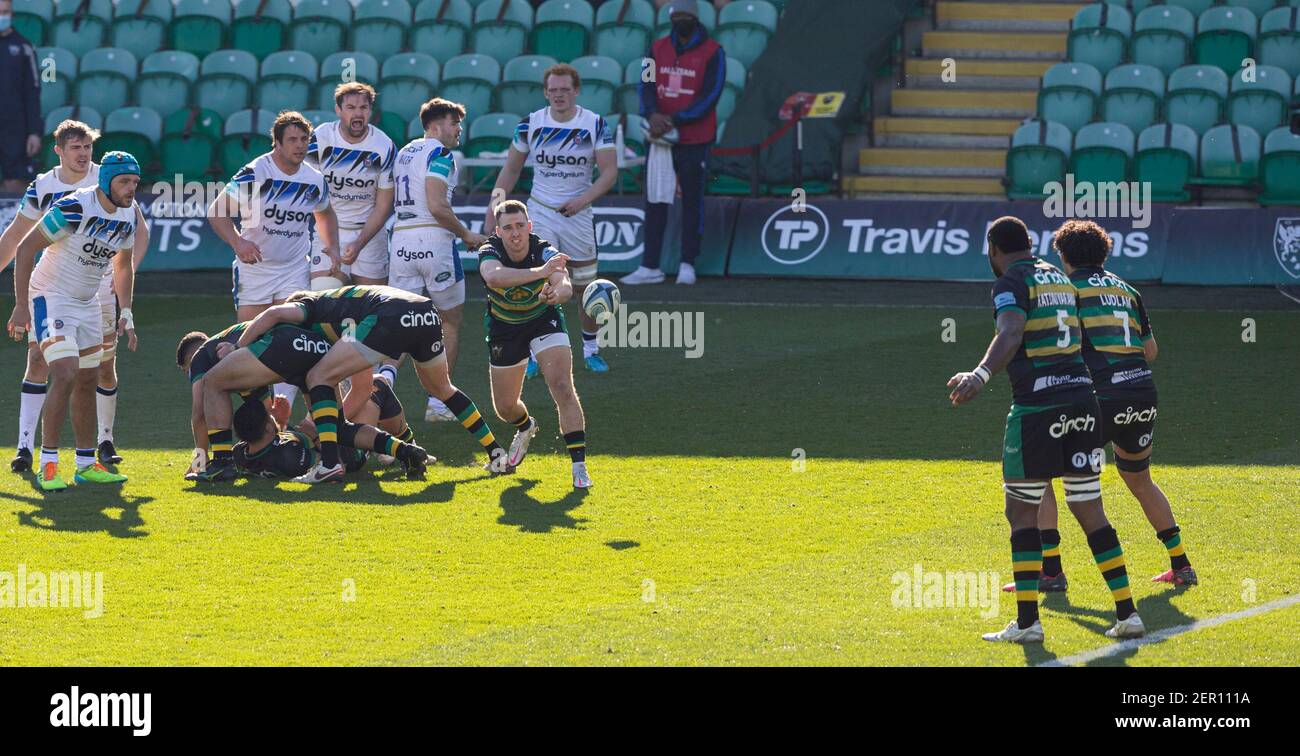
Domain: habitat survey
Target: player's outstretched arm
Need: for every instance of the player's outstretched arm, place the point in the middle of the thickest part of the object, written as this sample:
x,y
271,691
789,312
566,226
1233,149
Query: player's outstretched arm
x,y
558,289
271,317
1011,332
506,180
499,276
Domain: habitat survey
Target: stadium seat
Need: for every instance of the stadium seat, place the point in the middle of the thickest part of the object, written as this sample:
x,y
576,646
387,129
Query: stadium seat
x,y
1102,153
392,124
320,27
286,81
1224,37
407,81
442,28
140,26
1162,37
1135,6
199,26
1069,94
134,130
380,27
744,26
261,26
358,66
1279,40
520,90
562,29
1279,168
104,79
501,28
469,80
1098,36
247,134
1040,152
1133,95
623,29
414,130
189,144
88,116
708,17
1195,7
1229,156
80,25
32,19
225,82
1260,104
489,133
1257,7
56,93
165,80
735,84
628,94
318,116
1195,96
601,78
1166,160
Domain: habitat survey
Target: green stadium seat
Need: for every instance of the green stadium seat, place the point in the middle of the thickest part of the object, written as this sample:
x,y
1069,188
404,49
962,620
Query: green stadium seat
x,y
199,26
1279,40
1132,96
735,84
57,93
247,135
623,29
359,66
320,27
601,78
489,133
1229,156
261,26
407,81
392,124
189,143
442,28
562,29
1279,168
708,16
1162,37
1069,94
134,130
628,94
1135,6
469,80
380,27
104,79
1099,35
501,28
32,19
1195,7
744,26
1257,7
414,130
1166,160
286,82
317,116
1260,104
1102,153
1195,97
88,116
80,25
140,26
1039,154
165,80
520,90
226,80
1224,37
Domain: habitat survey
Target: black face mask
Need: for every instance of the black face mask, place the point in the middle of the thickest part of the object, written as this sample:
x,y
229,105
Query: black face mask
x,y
684,28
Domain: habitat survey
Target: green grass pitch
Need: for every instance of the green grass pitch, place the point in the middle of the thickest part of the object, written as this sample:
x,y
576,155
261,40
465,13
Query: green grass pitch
x,y
702,542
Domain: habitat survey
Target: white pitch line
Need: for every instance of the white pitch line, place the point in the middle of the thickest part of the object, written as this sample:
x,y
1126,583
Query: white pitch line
x,y
1169,632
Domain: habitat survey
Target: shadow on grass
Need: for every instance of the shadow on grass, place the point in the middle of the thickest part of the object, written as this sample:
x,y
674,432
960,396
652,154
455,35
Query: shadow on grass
x,y
83,509
359,488
521,509
1158,613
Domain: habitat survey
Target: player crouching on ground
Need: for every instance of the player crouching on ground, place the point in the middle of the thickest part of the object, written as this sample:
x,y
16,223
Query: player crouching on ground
x,y
526,283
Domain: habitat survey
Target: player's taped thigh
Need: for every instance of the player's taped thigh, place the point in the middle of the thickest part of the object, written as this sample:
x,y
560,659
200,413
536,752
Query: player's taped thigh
x,y
451,297
1132,465
91,359
1081,488
581,274
1026,492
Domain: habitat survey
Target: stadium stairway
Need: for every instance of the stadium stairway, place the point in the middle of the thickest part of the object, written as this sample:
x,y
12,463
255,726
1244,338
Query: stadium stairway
x,y
948,138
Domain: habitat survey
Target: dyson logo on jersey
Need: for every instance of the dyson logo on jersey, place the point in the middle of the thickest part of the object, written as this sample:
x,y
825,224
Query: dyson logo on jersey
x,y
1069,424
550,161
338,182
98,251
285,216
304,344
420,319
1130,416
413,254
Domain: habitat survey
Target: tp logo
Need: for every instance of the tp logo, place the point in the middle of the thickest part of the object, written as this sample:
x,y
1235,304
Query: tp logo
x,y
791,238
1286,245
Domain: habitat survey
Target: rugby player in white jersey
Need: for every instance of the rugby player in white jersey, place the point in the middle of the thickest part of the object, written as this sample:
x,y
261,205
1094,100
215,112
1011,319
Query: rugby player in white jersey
x,y
73,144
566,142
274,198
423,255
83,234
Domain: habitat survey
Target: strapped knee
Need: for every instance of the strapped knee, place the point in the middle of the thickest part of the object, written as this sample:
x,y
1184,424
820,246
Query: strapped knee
x,y
1081,489
1132,465
1027,493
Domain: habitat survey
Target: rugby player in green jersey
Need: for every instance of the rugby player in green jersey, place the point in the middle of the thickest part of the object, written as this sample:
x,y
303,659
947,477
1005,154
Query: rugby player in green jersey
x,y
527,281
1053,429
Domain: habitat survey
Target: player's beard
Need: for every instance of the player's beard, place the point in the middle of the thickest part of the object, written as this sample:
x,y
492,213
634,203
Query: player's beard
x,y
121,200
357,128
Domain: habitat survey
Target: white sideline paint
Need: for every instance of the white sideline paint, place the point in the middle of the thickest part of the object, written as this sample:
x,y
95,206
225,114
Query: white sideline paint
x,y
1169,632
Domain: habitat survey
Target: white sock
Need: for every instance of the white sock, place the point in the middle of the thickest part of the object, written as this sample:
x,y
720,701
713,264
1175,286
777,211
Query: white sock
x,y
290,392
590,345
106,410
85,457
49,455
29,413
389,373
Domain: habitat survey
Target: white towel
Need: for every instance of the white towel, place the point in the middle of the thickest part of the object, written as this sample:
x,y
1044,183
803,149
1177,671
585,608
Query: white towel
x,y
660,178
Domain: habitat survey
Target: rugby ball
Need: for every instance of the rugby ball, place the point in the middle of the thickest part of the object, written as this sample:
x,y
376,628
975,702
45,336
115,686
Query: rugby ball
x,y
325,283
601,296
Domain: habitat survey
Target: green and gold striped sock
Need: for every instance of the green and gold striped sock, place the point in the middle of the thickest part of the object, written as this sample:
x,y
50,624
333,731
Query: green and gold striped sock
x,y
1026,565
1051,551
1173,541
1109,556
463,408
325,413
221,442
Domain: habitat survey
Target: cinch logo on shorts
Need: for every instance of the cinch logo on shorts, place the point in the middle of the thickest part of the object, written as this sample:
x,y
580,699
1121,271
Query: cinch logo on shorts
x,y
304,344
417,319
409,255
285,216
1129,416
1069,424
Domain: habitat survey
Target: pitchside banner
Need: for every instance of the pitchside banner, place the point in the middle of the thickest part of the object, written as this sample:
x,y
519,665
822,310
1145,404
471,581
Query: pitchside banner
x,y
916,240
1230,246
